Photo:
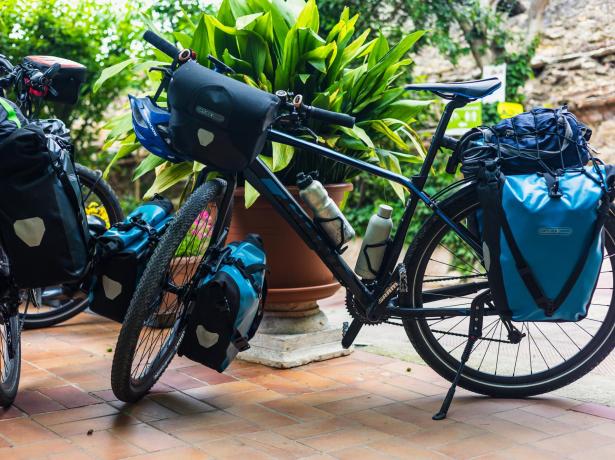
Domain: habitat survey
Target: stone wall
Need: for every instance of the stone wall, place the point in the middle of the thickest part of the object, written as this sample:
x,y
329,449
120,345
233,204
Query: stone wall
x,y
574,65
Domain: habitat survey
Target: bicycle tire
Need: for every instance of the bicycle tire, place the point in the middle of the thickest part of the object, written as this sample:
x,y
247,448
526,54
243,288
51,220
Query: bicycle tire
x,y
10,384
427,345
101,190
149,296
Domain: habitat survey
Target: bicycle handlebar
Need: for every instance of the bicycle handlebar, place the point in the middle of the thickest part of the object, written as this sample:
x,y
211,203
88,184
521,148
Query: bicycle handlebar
x,y
327,116
160,43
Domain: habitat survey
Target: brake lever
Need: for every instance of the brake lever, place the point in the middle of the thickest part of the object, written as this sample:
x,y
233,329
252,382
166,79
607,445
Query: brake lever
x,y
166,71
219,66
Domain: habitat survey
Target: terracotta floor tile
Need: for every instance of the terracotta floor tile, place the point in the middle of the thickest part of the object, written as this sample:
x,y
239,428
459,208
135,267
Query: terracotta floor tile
x,y
607,429
315,428
33,402
344,438
146,437
105,445
145,410
308,380
10,413
360,453
536,422
513,431
105,395
475,446
575,442
204,420
212,391
232,448
417,386
181,403
177,453
25,431
72,454
207,375
217,432
295,409
406,413
599,452
93,424
36,451
356,404
70,396
580,419
79,413
179,381
389,391
260,416
384,423
279,384
325,396
399,448
520,452
276,445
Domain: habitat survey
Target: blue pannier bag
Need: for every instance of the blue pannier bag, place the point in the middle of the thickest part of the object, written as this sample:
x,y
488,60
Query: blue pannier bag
x,y
121,255
538,140
228,305
543,239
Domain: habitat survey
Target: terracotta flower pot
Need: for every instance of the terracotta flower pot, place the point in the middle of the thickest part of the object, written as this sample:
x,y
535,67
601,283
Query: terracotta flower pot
x,y
297,277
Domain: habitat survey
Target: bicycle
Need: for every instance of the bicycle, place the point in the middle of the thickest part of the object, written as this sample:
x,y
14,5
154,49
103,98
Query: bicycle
x,y
56,304
439,293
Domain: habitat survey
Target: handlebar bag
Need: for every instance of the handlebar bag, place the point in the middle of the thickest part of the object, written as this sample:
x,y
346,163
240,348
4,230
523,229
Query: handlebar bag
x,y
66,83
217,120
228,305
43,225
529,142
122,253
543,242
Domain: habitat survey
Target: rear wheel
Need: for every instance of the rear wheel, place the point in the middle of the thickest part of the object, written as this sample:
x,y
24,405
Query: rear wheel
x,y
154,324
548,357
56,304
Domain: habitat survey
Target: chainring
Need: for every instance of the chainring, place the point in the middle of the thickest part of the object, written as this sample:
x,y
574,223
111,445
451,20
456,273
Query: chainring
x,y
356,312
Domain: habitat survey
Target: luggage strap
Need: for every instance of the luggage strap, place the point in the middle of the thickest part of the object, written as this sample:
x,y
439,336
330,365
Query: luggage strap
x,y
493,178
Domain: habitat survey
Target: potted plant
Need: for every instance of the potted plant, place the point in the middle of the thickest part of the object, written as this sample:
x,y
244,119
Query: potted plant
x,y
276,45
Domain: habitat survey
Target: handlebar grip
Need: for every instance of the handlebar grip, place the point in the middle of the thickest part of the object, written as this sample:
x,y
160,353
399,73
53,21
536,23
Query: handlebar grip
x,y
334,118
163,45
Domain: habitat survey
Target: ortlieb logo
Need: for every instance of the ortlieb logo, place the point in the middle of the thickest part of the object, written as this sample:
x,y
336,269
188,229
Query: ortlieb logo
x,y
555,231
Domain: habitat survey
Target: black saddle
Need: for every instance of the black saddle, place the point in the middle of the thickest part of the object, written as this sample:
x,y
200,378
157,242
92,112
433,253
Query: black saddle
x,y
466,89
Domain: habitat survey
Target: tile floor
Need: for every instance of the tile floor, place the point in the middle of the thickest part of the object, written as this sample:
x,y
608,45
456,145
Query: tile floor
x,y
363,406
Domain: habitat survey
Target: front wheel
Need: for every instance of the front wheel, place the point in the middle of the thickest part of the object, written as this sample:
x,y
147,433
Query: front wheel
x,y
155,321
548,357
10,354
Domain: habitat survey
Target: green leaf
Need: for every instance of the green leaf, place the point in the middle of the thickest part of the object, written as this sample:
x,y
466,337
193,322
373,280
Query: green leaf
x,y
168,177
282,156
126,148
250,195
390,162
111,72
149,163
243,21
309,16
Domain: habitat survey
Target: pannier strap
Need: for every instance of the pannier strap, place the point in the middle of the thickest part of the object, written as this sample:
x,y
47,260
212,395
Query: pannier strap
x,y
493,178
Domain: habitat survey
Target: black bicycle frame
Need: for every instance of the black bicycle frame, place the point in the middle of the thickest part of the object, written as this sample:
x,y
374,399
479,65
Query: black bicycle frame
x,y
375,297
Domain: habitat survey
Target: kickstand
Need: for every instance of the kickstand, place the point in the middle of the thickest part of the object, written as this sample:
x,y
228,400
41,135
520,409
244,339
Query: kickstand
x,y
475,332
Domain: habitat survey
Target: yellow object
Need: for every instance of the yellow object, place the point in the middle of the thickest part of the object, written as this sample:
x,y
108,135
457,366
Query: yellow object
x,y
95,209
509,109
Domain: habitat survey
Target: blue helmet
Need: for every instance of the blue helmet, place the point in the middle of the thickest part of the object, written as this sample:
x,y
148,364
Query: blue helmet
x,y
151,124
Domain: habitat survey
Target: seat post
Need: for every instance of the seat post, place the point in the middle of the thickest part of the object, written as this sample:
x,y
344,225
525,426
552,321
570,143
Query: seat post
x,y
455,103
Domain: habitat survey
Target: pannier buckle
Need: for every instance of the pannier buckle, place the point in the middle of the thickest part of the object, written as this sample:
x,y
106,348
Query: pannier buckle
x,y
241,343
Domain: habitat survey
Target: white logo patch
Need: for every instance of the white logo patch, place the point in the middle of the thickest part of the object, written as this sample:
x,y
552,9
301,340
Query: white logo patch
x,y
205,137
30,231
111,287
206,338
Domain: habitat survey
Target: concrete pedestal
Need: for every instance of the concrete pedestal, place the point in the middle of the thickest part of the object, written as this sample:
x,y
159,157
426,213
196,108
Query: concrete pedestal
x,y
290,341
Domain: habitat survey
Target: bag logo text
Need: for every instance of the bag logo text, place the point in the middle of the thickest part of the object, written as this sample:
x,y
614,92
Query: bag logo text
x,y
555,231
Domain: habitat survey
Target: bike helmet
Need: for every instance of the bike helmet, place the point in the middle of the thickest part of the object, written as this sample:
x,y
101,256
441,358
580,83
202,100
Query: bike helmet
x,y
151,124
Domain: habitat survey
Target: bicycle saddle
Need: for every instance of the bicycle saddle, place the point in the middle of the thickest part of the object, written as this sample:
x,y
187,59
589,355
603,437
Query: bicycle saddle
x,y
467,89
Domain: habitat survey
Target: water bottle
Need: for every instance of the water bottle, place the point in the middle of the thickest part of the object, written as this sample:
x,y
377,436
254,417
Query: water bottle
x,y
326,212
374,244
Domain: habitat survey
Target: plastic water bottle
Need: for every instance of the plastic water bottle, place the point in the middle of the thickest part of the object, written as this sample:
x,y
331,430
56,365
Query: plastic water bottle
x,y
374,244
326,212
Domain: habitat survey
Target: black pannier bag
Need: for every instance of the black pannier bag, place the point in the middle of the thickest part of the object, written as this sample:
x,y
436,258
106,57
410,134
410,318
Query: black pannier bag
x,y
43,225
217,120
122,253
67,82
228,305
539,140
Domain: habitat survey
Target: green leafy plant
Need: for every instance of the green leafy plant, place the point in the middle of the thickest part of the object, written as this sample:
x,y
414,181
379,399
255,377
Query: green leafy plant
x,y
276,45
